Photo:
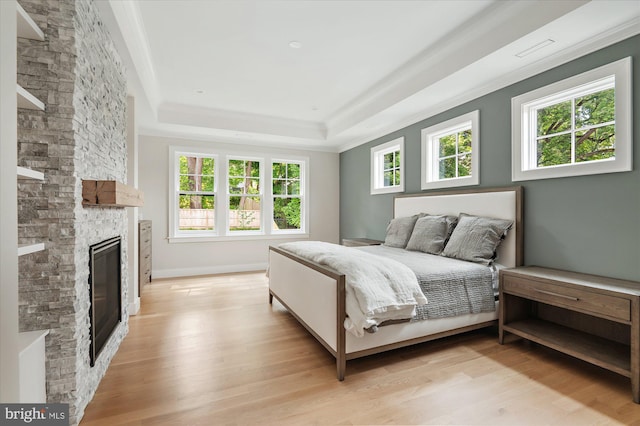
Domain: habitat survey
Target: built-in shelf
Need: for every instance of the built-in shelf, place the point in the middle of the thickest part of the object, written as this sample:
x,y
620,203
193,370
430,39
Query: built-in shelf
x,y
25,173
27,100
31,366
28,338
25,351
26,27
110,193
29,248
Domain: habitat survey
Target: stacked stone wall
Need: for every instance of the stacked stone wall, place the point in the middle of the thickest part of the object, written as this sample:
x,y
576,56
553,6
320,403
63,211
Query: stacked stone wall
x,y
81,134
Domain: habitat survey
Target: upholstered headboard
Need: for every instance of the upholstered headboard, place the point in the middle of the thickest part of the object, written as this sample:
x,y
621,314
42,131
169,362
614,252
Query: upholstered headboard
x,y
501,203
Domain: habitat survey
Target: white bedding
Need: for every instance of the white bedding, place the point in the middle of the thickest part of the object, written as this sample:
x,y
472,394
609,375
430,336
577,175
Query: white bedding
x,y
377,289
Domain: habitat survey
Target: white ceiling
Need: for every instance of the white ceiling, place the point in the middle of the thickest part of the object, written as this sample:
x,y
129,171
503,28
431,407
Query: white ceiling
x,y
224,71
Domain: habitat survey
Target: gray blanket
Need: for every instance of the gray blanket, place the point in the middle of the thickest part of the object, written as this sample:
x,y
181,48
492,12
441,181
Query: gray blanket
x,y
452,287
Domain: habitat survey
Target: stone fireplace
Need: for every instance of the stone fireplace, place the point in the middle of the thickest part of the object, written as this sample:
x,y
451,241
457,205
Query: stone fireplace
x,y
81,134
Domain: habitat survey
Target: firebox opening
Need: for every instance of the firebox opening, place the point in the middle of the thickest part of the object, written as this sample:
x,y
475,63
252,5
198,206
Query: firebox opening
x,y
105,283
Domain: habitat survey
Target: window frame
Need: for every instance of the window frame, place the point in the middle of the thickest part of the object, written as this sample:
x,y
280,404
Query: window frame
x,y
228,194
377,166
429,170
221,201
174,188
302,196
523,120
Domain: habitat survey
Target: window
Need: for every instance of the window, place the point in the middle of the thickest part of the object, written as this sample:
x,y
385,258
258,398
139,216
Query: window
x,y
288,202
196,193
387,167
217,195
450,153
245,195
578,126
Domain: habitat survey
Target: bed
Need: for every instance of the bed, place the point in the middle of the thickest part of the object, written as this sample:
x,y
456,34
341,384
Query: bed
x,y
316,296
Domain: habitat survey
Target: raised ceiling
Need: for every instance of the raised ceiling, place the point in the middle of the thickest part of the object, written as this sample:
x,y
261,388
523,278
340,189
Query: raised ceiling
x,y
225,71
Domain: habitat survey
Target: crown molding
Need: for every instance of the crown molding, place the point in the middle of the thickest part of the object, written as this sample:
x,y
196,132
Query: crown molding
x,y
258,141
347,127
456,51
602,40
240,122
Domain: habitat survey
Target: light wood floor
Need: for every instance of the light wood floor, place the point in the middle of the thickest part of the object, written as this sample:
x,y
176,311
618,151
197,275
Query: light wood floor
x,y
211,350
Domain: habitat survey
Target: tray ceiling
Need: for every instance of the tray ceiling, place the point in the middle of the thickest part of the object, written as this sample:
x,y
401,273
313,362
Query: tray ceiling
x,y
331,75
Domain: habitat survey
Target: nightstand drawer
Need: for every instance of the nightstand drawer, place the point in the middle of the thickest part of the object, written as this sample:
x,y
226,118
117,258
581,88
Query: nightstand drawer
x,y
575,298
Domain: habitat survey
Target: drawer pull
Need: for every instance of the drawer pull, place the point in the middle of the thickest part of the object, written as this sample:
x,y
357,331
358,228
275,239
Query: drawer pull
x,y
564,296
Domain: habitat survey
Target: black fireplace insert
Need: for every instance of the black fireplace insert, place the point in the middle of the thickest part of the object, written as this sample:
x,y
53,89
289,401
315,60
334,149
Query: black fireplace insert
x,y
105,285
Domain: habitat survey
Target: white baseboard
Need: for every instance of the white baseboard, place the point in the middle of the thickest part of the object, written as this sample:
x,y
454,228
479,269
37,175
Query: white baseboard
x,y
207,270
134,307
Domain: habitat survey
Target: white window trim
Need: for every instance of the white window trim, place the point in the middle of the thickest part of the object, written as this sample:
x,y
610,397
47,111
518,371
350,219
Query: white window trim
x,y
521,122
429,168
304,191
377,177
221,233
174,186
263,184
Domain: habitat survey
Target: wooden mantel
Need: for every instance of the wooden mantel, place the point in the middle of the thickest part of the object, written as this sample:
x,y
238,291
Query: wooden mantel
x,y
110,193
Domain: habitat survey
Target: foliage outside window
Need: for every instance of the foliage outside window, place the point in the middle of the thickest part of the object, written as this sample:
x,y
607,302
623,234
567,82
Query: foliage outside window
x,y
262,196
450,153
197,193
287,195
576,130
387,167
578,126
245,195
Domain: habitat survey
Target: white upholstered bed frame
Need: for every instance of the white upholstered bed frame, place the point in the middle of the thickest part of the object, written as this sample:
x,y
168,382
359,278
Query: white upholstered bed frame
x,y
315,294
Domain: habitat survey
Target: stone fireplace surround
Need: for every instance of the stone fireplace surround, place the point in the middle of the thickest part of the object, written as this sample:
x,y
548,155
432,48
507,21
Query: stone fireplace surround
x,y
81,134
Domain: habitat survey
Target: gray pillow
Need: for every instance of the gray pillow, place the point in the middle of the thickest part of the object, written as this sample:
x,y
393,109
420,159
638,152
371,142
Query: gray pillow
x,y
476,238
431,233
399,231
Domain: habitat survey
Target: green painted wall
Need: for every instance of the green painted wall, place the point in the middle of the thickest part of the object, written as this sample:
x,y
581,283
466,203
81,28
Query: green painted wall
x,y
589,224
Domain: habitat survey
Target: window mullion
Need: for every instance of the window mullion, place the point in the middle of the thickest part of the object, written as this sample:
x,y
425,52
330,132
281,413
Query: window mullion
x,y
457,153
435,166
397,168
596,126
222,217
573,130
392,170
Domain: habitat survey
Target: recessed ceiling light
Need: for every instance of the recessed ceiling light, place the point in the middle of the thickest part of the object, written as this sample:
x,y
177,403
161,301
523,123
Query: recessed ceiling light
x,y
199,91
295,44
535,47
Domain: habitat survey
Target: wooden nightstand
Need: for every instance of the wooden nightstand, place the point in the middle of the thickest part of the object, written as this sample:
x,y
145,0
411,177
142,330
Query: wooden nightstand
x,y
359,242
593,318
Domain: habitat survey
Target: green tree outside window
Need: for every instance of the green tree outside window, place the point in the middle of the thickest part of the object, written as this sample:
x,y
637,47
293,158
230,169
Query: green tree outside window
x,y
577,130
